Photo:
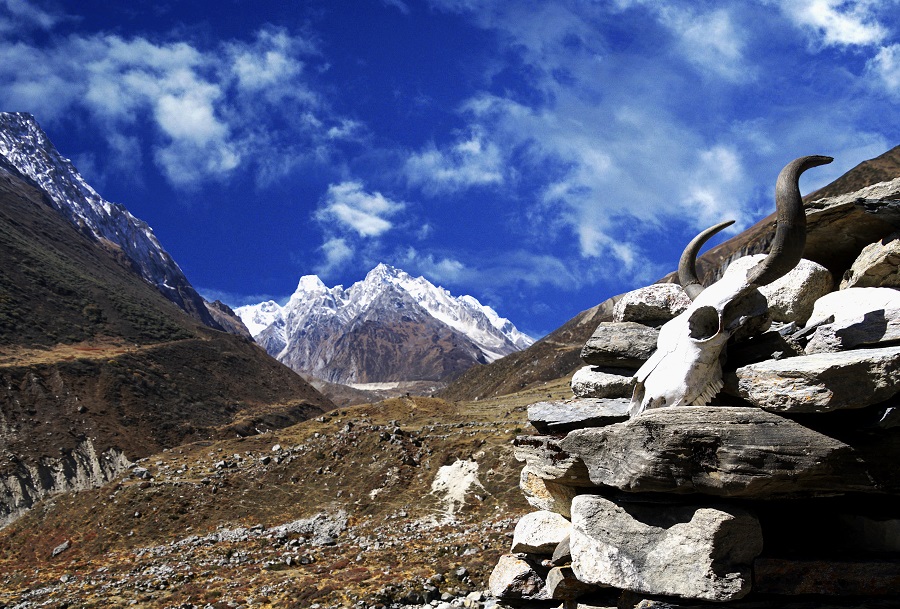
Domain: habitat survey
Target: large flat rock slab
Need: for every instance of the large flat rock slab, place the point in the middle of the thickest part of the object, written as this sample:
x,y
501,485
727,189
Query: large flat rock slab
x,y
821,382
564,416
700,552
728,452
853,318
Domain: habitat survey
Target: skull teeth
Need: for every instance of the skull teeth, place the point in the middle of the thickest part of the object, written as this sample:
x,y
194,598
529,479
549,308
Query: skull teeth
x,y
709,392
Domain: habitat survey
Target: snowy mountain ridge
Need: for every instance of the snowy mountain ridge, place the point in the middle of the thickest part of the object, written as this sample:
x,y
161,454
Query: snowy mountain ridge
x,y
27,148
285,330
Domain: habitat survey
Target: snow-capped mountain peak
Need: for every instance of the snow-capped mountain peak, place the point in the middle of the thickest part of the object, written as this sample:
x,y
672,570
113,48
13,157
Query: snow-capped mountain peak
x,y
310,283
315,309
27,148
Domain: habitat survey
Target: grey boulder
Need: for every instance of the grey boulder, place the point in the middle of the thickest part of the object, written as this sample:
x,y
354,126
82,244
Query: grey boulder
x,y
722,451
652,305
544,494
597,382
515,577
540,532
698,552
620,344
821,382
878,265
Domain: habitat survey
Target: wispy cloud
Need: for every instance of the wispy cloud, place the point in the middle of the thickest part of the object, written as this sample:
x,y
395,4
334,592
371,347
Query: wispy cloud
x,y
337,252
884,68
839,22
204,101
469,162
355,209
17,14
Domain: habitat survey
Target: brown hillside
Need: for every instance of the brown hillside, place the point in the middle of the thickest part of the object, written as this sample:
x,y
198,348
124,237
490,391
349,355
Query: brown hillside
x,y
880,169
553,357
201,526
89,350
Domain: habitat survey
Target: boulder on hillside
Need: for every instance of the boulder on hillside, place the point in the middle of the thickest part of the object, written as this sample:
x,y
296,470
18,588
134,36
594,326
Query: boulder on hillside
x,y
700,552
852,318
653,305
878,265
620,344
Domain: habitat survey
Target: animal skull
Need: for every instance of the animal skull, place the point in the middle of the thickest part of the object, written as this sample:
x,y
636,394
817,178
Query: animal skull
x,y
686,367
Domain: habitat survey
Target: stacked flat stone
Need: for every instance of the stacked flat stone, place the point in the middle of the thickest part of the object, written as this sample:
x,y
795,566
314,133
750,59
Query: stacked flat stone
x,y
784,493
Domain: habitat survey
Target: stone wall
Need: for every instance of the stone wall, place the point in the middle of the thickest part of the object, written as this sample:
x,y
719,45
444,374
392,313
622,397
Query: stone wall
x,y
783,492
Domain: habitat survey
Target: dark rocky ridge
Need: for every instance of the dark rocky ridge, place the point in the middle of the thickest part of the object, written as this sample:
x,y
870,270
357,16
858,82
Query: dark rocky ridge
x,y
89,351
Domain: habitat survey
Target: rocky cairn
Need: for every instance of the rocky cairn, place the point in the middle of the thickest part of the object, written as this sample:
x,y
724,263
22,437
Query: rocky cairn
x,y
783,492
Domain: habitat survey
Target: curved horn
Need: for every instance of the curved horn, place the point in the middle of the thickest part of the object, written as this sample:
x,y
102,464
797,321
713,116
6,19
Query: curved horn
x,y
790,231
687,270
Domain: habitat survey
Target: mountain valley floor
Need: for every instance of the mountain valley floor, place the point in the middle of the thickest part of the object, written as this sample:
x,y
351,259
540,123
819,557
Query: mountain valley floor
x,y
340,510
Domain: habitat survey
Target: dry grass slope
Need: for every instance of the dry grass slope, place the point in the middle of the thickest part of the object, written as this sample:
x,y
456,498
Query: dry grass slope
x,y
375,462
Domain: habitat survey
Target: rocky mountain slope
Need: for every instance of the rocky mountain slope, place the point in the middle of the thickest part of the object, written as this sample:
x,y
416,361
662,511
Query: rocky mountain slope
x,y
404,501
834,238
25,146
98,368
390,327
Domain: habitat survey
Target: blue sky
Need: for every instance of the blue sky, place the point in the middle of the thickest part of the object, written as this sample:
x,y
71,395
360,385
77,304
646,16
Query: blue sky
x,y
540,156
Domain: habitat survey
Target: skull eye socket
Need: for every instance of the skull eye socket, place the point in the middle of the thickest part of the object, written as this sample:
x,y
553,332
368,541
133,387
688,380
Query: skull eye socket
x,y
703,323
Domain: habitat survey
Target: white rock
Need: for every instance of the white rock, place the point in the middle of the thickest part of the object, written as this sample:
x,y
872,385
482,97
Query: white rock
x,y
594,382
878,265
702,552
791,297
652,305
852,318
540,532
822,382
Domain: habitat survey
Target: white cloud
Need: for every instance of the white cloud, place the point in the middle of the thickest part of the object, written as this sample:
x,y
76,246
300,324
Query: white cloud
x,y
400,5
271,60
469,162
513,268
839,22
444,270
364,213
885,69
717,181
337,253
709,40
16,14
204,103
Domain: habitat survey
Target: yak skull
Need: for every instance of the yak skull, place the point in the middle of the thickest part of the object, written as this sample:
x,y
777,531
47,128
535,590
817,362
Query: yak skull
x,y
686,367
